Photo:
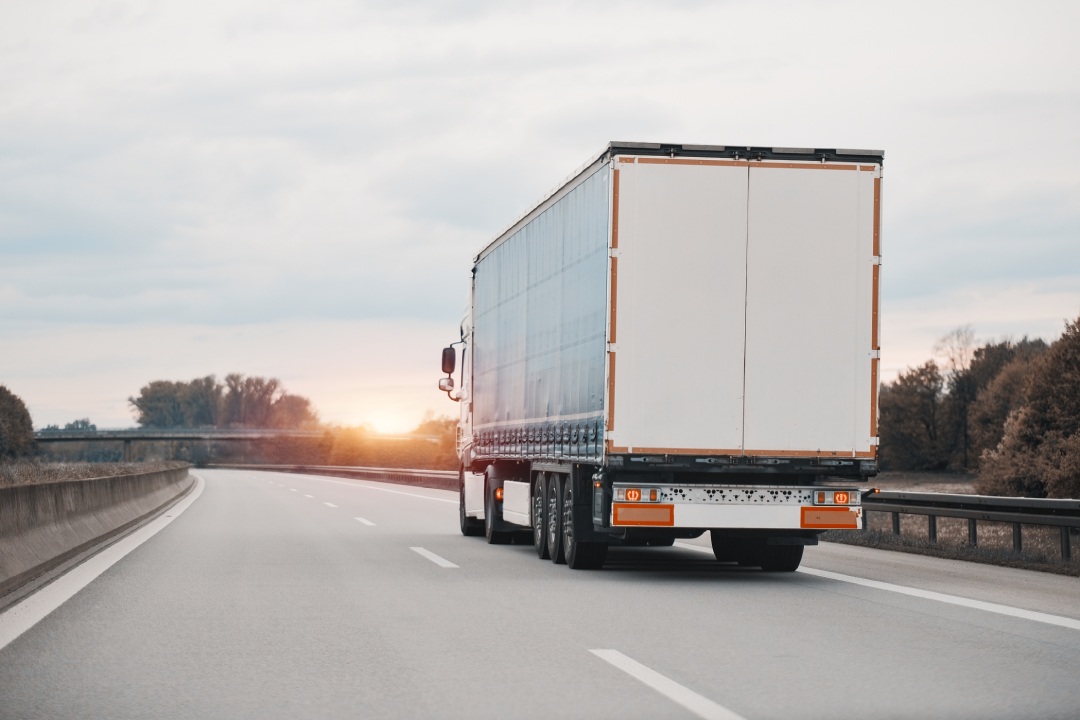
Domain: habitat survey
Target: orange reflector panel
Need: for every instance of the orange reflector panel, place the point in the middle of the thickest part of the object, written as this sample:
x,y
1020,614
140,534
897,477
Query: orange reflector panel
x,y
654,515
830,518
652,495
633,494
841,498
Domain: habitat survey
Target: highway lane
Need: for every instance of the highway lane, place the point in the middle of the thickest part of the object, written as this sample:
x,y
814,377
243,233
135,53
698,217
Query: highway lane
x,y
269,598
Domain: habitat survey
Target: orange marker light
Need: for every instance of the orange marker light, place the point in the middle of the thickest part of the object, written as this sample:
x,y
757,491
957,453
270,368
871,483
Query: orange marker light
x,y
841,498
821,498
498,493
652,494
633,494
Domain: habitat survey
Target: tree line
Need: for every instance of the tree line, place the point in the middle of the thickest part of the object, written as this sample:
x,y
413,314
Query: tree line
x,y
1009,411
239,402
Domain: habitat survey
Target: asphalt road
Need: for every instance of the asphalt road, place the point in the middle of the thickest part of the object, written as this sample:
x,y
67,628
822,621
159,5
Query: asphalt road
x,y
288,596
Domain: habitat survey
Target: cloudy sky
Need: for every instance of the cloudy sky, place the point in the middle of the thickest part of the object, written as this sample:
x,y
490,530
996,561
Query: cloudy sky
x,y
295,189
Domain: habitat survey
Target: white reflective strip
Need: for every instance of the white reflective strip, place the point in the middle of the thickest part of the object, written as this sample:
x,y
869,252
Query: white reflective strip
x,y
700,705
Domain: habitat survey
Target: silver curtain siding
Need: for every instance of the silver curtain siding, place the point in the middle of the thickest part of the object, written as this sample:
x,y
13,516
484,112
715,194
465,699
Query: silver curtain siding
x,y
539,323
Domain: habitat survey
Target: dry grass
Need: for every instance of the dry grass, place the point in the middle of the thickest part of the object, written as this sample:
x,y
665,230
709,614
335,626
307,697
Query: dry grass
x,y
32,472
994,543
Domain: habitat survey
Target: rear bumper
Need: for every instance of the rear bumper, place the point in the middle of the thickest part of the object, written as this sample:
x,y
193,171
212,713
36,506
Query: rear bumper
x,y
742,507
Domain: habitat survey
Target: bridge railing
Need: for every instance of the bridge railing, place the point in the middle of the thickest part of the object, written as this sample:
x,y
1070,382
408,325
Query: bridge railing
x,y
1063,514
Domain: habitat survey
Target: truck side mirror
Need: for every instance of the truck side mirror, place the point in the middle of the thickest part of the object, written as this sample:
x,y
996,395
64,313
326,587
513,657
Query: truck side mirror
x,y
449,360
446,384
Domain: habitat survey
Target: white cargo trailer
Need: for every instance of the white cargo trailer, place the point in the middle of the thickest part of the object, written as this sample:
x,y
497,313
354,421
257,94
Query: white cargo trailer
x,y
680,338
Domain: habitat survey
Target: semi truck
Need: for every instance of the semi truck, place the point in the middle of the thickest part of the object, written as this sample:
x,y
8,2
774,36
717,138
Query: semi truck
x,y
679,339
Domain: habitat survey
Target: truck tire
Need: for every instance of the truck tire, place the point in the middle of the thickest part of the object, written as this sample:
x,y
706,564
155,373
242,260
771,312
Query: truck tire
x,y
491,520
722,548
470,527
748,552
781,558
539,515
579,555
553,498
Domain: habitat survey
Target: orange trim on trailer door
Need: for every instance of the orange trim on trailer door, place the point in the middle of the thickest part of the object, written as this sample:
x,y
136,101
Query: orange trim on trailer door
x,y
642,514
873,396
874,289
742,453
829,518
690,161
615,209
611,392
614,297
808,166
877,217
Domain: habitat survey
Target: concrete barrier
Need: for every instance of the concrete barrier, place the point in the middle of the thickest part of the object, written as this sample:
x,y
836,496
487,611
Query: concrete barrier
x,y
43,526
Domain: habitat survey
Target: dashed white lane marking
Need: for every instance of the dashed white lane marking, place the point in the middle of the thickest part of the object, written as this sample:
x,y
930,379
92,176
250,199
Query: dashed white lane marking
x,y
293,490
21,617
366,521
440,561
329,504
930,595
700,705
309,496
386,490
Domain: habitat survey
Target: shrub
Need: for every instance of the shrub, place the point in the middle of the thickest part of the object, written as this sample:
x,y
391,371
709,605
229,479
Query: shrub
x,y
16,428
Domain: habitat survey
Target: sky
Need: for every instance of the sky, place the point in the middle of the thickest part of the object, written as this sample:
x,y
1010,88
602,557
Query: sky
x,y
296,189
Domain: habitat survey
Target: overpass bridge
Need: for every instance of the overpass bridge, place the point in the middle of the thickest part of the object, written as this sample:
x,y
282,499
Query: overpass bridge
x,y
129,436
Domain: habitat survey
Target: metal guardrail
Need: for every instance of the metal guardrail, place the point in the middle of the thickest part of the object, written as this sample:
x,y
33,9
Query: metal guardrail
x,y
1064,514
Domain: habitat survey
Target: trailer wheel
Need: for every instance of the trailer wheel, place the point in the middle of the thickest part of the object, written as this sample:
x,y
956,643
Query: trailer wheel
x,y
494,537
748,552
722,548
470,527
579,555
781,558
539,516
553,496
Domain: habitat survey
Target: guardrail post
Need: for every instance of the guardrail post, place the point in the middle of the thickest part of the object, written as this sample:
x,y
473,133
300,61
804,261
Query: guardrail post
x,y
1018,544
896,523
932,526
973,533
1066,551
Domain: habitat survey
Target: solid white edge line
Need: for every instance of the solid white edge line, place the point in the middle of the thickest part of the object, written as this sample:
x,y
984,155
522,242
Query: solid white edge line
x,y
441,562
950,599
930,595
327,504
33,608
365,521
700,705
